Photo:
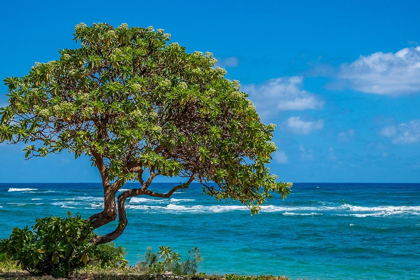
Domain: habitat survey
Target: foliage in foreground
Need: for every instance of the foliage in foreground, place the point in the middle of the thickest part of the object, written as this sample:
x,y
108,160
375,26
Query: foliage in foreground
x,y
56,246
168,260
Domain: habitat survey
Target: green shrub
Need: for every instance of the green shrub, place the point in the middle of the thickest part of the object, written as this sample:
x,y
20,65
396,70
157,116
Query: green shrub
x,y
57,246
168,260
109,256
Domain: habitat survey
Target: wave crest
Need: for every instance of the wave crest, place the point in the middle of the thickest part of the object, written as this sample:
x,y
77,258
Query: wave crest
x,y
21,190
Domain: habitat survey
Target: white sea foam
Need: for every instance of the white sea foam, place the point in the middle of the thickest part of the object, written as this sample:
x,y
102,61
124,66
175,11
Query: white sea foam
x,y
181,199
21,190
301,214
204,209
159,201
85,198
36,199
96,205
380,211
147,200
343,210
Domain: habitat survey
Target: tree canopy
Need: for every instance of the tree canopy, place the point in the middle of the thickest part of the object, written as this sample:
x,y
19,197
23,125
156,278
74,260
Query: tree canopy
x,y
140,107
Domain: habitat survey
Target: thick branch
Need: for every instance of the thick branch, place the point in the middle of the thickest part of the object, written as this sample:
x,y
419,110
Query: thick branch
x,y
171,192
122,218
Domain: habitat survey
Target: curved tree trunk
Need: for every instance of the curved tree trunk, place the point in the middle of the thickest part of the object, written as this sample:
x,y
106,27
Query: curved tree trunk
x,y
122,218
109,213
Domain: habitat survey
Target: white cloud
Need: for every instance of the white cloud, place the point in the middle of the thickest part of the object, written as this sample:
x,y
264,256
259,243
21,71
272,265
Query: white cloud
x,y
231,61
299,126
384,73
281,157
306,154
403,133
345,136
281,94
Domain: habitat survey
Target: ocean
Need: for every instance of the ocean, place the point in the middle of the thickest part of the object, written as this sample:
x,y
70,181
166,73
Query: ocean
x,y
321,231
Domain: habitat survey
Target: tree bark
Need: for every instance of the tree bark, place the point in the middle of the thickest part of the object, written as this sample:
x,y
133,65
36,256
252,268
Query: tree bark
x,y
109,213
122,218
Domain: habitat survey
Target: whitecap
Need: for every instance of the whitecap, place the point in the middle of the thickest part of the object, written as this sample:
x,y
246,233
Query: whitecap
x,y
36,199
390,208
85,198
96,206
301,214
21,190
181,199
146,200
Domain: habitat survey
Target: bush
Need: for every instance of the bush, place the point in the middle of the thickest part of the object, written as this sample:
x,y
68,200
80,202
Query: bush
x,y
168,260
57,246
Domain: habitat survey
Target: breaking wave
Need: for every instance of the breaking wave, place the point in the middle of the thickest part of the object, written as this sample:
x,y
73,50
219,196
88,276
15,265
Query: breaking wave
x,y
21,190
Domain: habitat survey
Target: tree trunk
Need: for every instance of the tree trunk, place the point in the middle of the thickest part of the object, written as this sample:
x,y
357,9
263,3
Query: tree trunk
x,y
122,221
109,213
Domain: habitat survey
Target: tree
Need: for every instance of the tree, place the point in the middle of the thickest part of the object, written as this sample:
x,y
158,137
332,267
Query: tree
x,y
141,107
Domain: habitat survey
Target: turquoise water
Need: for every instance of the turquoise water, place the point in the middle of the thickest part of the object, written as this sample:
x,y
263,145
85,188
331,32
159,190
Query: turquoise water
x,y
321,231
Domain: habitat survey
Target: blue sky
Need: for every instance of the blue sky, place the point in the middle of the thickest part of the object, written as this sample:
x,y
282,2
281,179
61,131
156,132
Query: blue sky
x,y
341,79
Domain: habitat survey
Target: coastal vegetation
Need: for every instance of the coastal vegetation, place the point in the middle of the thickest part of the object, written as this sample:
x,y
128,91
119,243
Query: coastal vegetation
x,y
139,107
56,246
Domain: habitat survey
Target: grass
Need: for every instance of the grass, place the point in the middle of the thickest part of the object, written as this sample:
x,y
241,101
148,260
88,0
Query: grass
x,y
10,271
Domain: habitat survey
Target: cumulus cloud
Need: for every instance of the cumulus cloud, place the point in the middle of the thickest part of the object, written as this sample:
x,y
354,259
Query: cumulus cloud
x,y
403,133
300,126
231,61
384,73
281,94
281,157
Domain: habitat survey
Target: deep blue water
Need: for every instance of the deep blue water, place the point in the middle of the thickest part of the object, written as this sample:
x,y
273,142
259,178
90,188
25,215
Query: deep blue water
x,y
321,231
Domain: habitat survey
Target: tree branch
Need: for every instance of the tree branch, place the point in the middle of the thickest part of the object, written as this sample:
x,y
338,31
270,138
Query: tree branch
x,y
122,218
